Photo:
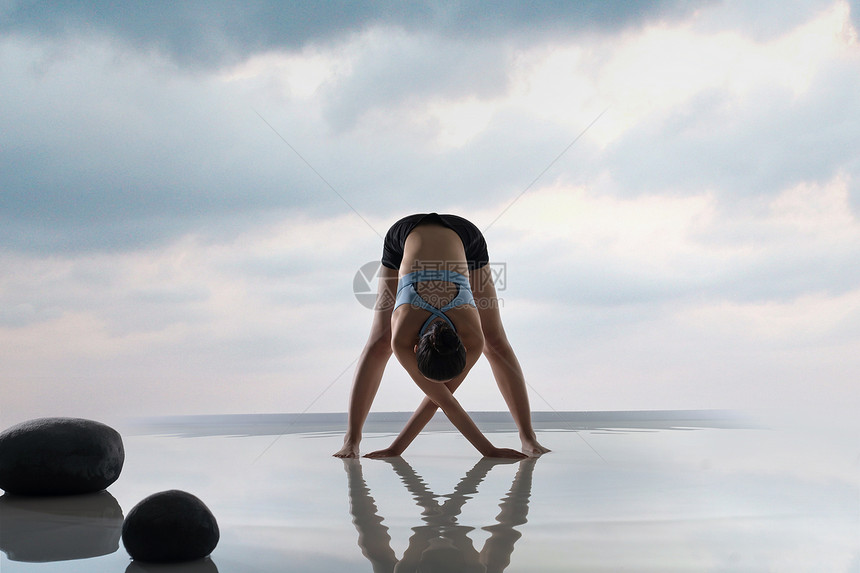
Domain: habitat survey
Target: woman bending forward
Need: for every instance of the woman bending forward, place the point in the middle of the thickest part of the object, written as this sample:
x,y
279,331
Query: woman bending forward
x,y
437,311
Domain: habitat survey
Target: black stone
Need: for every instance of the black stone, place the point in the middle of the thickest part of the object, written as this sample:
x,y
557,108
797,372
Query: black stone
x,y
59,456
170,526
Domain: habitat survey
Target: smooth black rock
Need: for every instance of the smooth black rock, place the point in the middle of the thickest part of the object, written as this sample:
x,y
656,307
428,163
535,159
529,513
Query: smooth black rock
x,y
59,456
170,526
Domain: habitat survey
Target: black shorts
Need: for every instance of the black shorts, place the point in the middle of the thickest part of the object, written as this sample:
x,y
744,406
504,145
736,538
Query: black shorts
x,y
473,240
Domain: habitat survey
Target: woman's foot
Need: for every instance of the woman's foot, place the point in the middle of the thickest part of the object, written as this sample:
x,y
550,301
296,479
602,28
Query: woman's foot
x,y
349,450
532,448
383,454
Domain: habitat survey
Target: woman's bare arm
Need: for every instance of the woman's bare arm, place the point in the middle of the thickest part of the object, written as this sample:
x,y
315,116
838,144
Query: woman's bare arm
x,y
442,396
419,419
473,340
371,364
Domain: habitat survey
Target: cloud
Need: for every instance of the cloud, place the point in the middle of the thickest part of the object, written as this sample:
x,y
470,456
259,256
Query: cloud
x,y
395,69
661,251
126,332
108,154
113,148
762,21
754,124
855,13
620,289
214,33
177,212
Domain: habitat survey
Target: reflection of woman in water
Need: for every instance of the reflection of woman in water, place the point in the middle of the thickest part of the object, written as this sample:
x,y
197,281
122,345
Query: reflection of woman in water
x,y
440,544
443,314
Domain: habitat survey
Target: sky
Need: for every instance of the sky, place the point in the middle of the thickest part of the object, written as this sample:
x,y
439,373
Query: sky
x,y
670,192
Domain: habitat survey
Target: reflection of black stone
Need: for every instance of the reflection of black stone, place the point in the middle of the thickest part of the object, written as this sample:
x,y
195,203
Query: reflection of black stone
x,y
59,456
199,566
59,528
170,526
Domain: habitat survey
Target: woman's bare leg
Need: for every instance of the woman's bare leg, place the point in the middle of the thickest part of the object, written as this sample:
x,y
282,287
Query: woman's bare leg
x,y
503,362
371,364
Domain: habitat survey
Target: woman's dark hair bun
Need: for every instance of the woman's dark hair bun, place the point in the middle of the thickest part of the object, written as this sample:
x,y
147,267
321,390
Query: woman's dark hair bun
x,y
440,353
443,338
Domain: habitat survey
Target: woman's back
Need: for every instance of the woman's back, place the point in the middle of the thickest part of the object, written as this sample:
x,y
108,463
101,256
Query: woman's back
x,y
433,246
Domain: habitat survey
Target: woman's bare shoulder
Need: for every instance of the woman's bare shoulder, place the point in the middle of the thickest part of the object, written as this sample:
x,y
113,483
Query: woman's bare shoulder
x,y
468,324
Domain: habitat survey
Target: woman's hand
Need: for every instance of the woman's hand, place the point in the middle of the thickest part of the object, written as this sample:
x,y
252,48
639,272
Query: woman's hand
x,y
505,453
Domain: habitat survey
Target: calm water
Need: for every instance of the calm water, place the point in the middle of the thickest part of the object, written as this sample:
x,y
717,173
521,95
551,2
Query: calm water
x,y
619,492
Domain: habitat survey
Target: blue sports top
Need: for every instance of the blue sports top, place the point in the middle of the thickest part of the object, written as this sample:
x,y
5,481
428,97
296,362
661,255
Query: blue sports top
x,y
407,294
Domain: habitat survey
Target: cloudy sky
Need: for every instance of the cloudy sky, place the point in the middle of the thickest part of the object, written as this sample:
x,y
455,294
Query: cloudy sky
x,y
187,193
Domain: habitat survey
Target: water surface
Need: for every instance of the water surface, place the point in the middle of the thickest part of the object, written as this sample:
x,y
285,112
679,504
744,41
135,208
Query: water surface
x,y
658,491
